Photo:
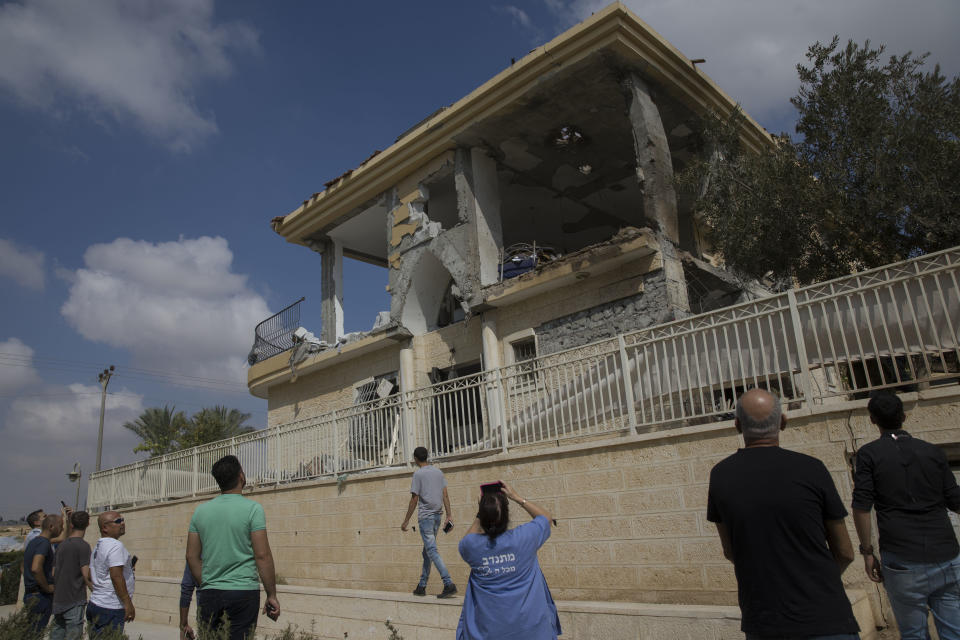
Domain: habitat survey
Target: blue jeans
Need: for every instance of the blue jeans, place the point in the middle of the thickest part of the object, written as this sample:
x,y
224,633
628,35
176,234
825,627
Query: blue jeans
x,y
102,619
41,606
429,525
914,587
68,625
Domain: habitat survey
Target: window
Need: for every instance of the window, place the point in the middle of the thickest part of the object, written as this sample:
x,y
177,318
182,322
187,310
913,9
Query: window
x,y
521,352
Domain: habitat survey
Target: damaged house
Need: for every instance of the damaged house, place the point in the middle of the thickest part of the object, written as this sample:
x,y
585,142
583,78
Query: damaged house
x,y
533,216
557,320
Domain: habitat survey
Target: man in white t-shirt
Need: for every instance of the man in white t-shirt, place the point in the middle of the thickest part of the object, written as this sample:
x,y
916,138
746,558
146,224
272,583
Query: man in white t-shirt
x,y
111,572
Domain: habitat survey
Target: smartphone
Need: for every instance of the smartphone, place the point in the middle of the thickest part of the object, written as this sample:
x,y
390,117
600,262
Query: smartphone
x,y
64,504
491,487
448,527
133,562
272,612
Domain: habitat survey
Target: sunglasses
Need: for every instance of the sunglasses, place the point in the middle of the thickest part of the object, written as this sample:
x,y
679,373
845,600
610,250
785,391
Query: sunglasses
x,y
117,521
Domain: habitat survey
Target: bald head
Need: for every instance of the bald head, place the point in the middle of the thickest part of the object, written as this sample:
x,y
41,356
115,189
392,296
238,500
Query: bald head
x,y
759,415
109,527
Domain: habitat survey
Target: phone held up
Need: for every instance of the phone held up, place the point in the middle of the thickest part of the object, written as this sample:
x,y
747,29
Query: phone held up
x,y
491,487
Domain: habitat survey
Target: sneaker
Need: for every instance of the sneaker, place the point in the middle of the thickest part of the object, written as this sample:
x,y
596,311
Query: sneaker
x,y
420,591
448,591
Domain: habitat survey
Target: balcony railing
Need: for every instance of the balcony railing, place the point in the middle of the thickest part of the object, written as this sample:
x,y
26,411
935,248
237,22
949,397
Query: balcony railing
x,y
275,334
894,327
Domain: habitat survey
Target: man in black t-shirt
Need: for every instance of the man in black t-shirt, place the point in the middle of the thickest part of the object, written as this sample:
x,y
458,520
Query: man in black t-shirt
x,y
780,521
912,486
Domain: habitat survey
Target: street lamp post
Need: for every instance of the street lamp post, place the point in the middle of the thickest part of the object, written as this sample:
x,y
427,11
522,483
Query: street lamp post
x,y
74,476
104,378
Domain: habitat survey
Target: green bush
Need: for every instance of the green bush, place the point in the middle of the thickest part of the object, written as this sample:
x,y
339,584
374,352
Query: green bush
x,y
10,578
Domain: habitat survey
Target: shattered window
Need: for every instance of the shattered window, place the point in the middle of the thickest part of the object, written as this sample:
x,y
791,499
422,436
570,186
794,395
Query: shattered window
x,y
524,355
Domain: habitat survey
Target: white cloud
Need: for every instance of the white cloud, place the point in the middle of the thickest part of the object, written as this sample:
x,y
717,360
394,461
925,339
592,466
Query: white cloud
x,y
16,367
22,265
519,16
71,414
45,433
752,48
123,60
176,306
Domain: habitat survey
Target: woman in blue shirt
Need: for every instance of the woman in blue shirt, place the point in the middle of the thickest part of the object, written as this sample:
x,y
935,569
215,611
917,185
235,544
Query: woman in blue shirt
x,y
507,595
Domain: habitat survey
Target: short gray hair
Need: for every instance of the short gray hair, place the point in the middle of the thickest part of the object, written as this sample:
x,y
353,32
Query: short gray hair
x,y
765,428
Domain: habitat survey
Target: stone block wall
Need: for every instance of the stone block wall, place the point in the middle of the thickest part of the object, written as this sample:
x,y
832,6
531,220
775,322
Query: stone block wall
x,y
609,319
631,512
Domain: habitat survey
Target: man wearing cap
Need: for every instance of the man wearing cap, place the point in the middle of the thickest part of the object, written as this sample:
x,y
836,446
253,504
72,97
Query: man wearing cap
x,y
911,484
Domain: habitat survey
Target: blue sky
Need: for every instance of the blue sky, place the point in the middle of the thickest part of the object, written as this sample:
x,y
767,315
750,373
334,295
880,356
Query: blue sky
x,y
146,145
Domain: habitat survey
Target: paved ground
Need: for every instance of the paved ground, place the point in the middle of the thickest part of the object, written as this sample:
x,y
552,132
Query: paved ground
x,y
162,632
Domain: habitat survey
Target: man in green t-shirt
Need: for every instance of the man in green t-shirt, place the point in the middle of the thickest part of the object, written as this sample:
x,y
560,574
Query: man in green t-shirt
x,y
230,532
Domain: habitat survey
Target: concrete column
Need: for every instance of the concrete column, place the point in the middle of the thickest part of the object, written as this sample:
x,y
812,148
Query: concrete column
x,y
490,343
490,347
655,175
654,165
407,384
331,289
478,205
489,228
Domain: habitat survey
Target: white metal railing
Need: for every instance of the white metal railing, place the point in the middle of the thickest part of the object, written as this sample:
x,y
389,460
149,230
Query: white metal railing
x,y
894,327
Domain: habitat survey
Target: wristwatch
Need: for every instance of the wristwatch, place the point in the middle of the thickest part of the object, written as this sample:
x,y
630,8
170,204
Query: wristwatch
x,y
866,550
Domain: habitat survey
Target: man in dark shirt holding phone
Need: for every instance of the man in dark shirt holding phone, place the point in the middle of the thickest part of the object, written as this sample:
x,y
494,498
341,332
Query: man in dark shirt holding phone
x,y
912,486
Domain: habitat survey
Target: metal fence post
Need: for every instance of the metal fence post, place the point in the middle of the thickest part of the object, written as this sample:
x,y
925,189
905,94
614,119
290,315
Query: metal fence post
x,y
163,477
627,383
113,486
195,480
502,405
277,455
136,482
801,350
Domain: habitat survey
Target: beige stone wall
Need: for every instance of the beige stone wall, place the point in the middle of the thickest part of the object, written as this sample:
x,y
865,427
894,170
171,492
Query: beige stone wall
x,y
328,389
331,613
456,344
631,512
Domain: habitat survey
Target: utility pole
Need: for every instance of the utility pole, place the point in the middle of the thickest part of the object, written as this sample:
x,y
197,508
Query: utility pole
x,y
104,378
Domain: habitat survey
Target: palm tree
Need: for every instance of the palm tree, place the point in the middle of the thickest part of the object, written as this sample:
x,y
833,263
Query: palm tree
x,y
215,423
159,429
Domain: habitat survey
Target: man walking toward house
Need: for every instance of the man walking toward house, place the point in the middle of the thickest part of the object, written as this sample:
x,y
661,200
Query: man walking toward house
x,y
38,572
912,487
429,490
230,533
780,521
111,573
72,570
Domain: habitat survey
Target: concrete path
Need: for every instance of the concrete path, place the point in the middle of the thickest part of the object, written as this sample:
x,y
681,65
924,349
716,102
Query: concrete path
x,y
133,629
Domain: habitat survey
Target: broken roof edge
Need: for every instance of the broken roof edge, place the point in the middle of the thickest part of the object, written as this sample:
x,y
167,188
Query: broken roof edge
x,y
614,27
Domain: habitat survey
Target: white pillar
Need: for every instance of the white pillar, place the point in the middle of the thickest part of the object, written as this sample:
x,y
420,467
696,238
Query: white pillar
x,y
409,417
490,345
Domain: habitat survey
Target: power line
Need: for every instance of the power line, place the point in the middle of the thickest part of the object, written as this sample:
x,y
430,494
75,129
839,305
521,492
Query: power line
x,y
18,359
